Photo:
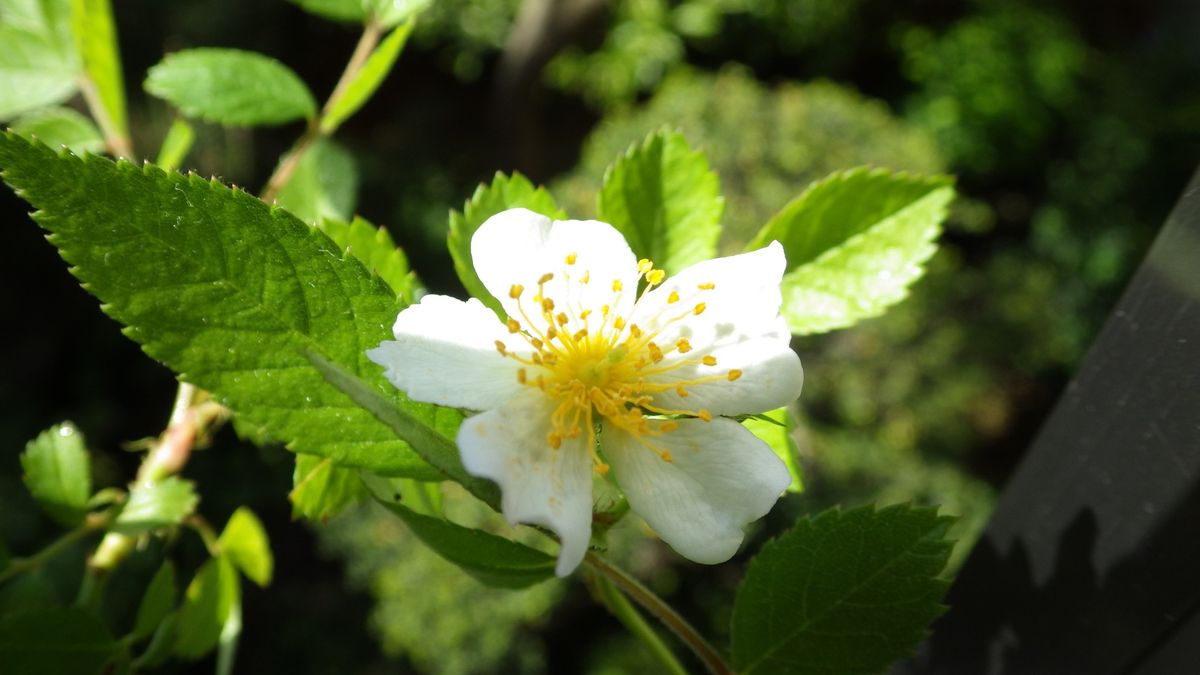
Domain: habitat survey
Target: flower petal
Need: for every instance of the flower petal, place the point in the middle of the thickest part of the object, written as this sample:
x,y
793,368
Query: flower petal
x,y
719,478
445,353
769,376
518,246
539,484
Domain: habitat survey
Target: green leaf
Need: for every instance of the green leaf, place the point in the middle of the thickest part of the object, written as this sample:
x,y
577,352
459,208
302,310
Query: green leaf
x,y
392,12
26,592
505,192
38,64
776,431
156,603
96,42
157,504
493,560
244,542
54,641
59,127
386,12
207,605
844,592
58,473
322,490
666,201
176,144
367,80
338,10
231,87
229,293
854,242
375,248
325,184
5,557
161,644
435,448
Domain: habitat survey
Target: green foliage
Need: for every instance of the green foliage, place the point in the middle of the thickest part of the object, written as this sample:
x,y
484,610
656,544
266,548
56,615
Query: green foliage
x,y
156,504
38,64
209,602
54,641
324,185
96,42
228,292
231,87
59,127
58,473
504,192
375,248
244,543
493,560
663,197
854,242
386,12
776,431
175,145
368,79
321,490
845,591
157,602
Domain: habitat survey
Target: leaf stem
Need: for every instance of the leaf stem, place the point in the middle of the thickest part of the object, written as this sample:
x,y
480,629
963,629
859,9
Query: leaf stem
x,y
116,141
643,596
372,31
628,615
93,522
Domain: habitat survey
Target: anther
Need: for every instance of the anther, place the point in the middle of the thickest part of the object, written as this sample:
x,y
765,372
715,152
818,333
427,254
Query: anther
x,y
668,427
587,276
619,323
515,291
704,415
644,265
656,354
521,375
602,469
604,311
546,278
551,333
501,348
547,305
666,456
554,440
561,318
673,297
635,331
537,344
570,258
513,326
536,358
734,374
709,360
707,286
579,335
616,286
683,346
585,314
699,309
681,392
655,277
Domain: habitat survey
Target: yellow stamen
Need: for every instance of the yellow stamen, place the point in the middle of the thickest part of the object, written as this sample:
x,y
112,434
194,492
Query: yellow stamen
x,y
699,309
734,374
545,278
585,314
673,297
655,277
521,376
683,346
668,427
561,318
587,276
635,331
580,334
554,440
547,305
704,415
501,348
679,391
666,456
570,258
616,286
619,323
709,360
644,265
513,326
707,286
656,354
515,291
601,469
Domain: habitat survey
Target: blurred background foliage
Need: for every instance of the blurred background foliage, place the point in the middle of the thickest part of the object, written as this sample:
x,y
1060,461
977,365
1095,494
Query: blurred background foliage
x,y
1071,126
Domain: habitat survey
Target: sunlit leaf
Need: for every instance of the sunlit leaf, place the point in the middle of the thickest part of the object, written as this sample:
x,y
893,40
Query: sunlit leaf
x,y
324,185
58,473
244,542
61,127
96,42
157,504
207,605
157,602
375,248
363,86
321,490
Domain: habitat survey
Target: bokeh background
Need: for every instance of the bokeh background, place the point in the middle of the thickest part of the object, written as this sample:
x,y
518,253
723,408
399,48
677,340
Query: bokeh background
x,y
1072,127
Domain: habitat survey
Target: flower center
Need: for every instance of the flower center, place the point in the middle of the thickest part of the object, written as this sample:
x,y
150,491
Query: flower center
x,y
592,362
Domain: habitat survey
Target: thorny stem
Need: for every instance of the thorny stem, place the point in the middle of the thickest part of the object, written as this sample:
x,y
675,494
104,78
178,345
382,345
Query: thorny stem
x,y
643,596
117,142
287,166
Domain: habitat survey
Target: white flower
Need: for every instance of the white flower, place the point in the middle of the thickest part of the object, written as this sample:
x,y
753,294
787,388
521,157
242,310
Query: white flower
x,y
586,374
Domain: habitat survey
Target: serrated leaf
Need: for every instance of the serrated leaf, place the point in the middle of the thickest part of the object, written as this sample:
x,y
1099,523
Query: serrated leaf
x,y
374,247
855,241
322,490
228,292
96,43
54,641
775,429
504,192
207,605
231,87
493,560
843,592
369,77
156,604
436,449
157,504
175,145
244,542
58,473
665,199
59,127
38,64
325,184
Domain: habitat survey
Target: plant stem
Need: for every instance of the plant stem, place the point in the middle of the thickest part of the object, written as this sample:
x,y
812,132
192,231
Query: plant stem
x,y
628,615
643,596
17,566
287,166
118,144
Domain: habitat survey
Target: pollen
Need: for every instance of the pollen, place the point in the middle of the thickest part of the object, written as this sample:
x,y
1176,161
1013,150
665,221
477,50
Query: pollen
x,y
601,469
587,276
668,427
547,305
655,277
570,258
585,314
616,286
656,354
680,391
708,286
545,278
734,374
513,326
683,346
619,323
515,291
673,297
709,360
704,415
562,318
635,331
580,334
554,440
501,348
699,308
666,456
521,376
644,265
